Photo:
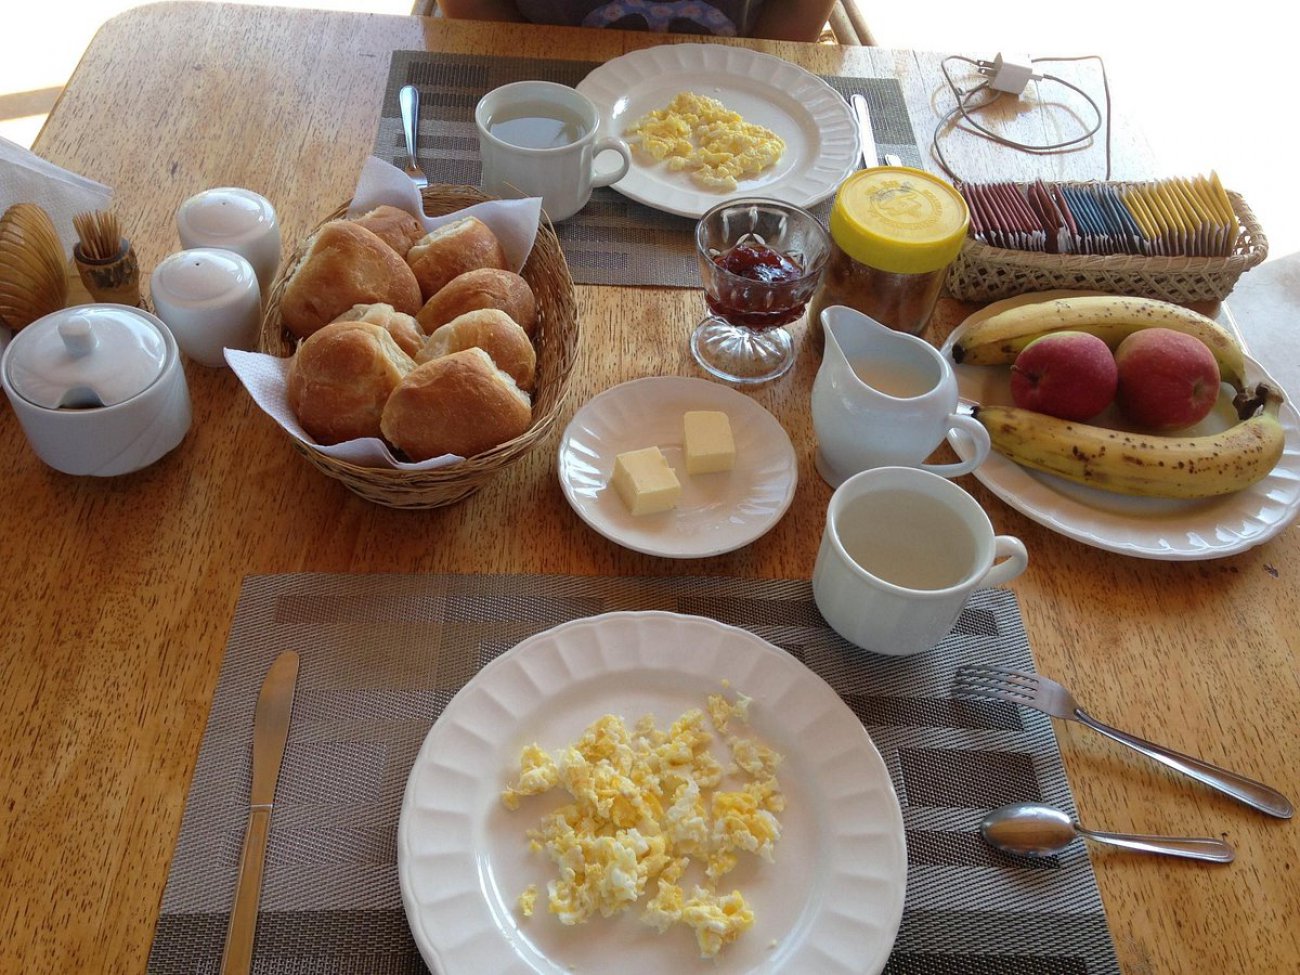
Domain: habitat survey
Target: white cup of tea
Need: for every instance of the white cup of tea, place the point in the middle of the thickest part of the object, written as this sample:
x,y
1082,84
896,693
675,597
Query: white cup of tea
x,y
901,553
884,398
538,138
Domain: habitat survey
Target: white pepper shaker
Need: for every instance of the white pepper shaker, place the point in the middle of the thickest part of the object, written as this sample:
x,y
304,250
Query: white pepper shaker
x,y
210,300
233,219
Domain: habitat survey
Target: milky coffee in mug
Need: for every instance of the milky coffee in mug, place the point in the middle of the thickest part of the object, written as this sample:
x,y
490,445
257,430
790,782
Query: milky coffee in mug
x,y
537,125
537,138
901,553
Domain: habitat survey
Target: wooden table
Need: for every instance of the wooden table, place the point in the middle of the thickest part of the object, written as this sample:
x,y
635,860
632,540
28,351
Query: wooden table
x,y
120,592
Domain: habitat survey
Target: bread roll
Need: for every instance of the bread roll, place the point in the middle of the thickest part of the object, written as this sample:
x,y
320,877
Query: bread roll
x,y
394,226
496,333
403,328
458,404
463,245
341,377
488,287
345,265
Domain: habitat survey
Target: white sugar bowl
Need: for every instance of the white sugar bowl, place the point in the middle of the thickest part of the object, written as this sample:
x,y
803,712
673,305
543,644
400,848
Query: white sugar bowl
x,y
98,389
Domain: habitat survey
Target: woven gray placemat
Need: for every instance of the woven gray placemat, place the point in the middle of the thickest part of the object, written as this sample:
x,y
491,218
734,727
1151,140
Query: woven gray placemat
x,y
612,240
381,655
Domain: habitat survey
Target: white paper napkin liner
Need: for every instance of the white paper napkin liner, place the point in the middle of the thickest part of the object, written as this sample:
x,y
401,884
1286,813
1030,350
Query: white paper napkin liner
x,y
264,376
27,178
513,221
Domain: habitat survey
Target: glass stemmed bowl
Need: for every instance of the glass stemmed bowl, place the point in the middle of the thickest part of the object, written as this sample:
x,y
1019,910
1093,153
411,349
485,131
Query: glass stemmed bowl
x,y
760,261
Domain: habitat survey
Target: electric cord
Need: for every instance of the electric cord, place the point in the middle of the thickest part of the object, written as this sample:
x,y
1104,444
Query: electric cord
x,y
965,110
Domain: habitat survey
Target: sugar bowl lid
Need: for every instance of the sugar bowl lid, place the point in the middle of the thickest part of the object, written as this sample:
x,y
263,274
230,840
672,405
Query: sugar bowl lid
x,y
86,356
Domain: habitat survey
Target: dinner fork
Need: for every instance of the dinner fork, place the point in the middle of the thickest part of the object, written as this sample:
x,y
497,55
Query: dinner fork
x,y
1045,695
409,100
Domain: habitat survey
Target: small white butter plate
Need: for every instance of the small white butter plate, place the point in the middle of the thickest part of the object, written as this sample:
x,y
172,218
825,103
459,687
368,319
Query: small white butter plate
x,y
718,512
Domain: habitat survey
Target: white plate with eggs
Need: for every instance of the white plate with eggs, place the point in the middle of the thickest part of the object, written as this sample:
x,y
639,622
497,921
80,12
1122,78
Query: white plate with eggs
x,y
831,900
820,135
717,512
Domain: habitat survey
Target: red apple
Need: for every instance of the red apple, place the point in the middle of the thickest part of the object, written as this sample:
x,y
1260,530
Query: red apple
x,y
1167,379
1070,375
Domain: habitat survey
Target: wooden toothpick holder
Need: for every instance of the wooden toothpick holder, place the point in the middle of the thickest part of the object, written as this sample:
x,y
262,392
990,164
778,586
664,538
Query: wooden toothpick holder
x,y
115,279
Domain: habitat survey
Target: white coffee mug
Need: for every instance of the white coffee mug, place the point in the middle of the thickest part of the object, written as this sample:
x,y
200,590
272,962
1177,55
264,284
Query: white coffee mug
x,y
901,553
537,138
884,398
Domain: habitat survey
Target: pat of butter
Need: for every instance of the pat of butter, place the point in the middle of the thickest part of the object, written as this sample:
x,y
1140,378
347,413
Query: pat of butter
x,y
709,445
645,482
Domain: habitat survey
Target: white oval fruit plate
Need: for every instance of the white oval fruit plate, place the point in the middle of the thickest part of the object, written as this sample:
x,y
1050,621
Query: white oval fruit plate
x,y
1151,528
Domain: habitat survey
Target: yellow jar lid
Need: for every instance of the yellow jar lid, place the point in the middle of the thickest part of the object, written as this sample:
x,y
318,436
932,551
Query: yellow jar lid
x,y
898,219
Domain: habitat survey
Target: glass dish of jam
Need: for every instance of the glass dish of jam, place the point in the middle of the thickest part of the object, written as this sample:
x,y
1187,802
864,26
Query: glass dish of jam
x,y
760,262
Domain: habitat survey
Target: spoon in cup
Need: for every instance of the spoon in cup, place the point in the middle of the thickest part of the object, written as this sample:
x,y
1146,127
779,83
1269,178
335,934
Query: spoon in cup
x,y
1031,830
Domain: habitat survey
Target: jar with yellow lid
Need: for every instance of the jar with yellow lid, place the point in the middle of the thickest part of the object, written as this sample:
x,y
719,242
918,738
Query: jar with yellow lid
x,y
894,232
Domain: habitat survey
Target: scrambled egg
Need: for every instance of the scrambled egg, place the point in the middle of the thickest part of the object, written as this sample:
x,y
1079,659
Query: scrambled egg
x,y
646,804
703,136
527,900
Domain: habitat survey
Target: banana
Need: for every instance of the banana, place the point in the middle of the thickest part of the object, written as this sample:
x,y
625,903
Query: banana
x,y
999,338
1141,464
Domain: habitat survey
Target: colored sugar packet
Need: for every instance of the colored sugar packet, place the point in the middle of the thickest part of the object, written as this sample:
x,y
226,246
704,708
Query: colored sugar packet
x,y
1176,217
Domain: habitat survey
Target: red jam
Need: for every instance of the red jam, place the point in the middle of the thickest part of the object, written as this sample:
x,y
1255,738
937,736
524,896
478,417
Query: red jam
x,y
769,303
758,262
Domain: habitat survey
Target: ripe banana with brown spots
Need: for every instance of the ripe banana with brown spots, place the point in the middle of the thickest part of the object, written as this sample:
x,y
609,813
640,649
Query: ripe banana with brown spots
x,y
998,339
1142,464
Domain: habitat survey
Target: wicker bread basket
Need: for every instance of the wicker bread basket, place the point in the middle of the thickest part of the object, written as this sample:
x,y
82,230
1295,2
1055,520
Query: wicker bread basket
x,y
556,339
984,273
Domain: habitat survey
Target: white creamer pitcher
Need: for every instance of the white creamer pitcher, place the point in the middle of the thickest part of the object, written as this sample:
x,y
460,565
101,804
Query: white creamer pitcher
x,y
884,399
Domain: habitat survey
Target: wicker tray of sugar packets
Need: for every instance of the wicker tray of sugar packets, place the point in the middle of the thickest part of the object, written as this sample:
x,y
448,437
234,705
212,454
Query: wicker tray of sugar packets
x,y
983,273
556,340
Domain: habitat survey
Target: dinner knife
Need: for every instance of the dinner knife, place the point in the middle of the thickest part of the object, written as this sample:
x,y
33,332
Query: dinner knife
x,y
865,133
270,732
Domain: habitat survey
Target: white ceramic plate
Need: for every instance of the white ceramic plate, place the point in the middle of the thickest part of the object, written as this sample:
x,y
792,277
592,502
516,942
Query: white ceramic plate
x,y
830,903
1152,528
718,512
820,134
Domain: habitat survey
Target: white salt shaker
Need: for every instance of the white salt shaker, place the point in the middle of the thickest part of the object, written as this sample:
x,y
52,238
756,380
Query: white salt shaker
x,y
210,300
234,219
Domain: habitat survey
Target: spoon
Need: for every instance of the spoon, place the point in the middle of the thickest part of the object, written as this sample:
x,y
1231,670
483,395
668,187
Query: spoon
x,y
1032,830
409,100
